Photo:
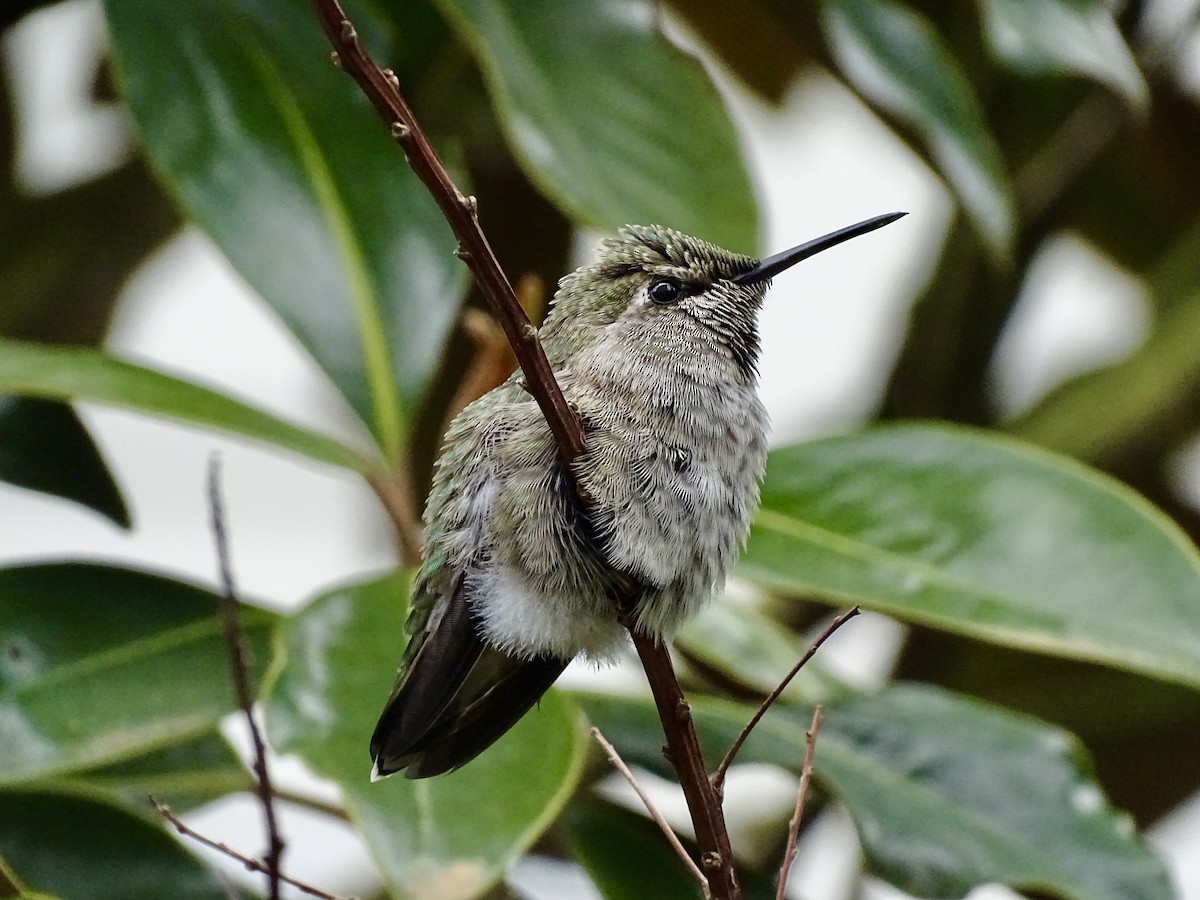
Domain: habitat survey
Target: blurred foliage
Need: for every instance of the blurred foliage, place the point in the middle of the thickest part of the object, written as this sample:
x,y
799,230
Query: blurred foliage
x,y
1032,582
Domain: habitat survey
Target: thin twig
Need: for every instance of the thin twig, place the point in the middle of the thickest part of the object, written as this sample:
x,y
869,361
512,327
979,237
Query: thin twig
x,y
619,764
718,778
238,654
685,755
789,852
383,90
250,863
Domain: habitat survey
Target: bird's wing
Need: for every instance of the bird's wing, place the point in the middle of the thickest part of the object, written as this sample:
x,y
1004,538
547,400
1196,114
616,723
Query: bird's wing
x,y
457,694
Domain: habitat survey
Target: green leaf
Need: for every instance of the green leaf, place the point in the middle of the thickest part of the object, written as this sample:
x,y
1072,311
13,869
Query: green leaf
x,y
1009,798
625,854
99,665
1073,37
609,119
447,836
629,858
1142,400
947,793
280,159
985,537
80,846
896,59
60,373
184,775
44,447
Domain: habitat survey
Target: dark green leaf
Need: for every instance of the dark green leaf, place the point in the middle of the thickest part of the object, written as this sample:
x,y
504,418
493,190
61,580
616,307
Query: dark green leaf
x,y
985,537
898,61
946,793
453,834
1000,797
1074,37
183,775
44,447
625,854
278,156
1101,415
98,665
60,373
81,847
610,120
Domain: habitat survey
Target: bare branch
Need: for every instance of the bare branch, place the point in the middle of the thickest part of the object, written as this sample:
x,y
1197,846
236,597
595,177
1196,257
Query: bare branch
x,y
619,764
251,864
789,852
238,654
685,755
718,778
383,90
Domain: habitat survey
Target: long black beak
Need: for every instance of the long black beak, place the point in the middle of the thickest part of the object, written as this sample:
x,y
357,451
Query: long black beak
x,y
773,265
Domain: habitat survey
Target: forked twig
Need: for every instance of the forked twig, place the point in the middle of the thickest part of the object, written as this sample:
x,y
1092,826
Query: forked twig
x,y
789,852
718,778
238,655
250,863
619,764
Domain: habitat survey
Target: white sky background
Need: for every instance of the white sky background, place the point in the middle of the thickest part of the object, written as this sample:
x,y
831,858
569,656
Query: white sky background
x,y
831,328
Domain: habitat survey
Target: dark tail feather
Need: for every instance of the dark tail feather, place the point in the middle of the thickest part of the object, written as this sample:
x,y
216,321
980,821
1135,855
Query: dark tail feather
x,y
456,698
467,731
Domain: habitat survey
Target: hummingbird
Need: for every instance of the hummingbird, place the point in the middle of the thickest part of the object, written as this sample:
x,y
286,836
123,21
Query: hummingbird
x,y
526,560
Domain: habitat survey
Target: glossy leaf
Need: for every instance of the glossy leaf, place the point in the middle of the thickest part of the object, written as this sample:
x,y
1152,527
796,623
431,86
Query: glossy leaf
x,y
947,793
44,447
1101,415
280,159
1053,37
985,537
450,836
99,665
61,373
610,120
183,775
896,59
611,843
80,846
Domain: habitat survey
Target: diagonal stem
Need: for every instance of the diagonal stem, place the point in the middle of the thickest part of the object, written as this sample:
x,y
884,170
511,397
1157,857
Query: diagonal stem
x,y
718,778
383,90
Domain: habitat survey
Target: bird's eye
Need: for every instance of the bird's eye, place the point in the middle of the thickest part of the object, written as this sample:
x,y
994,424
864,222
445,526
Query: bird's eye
x,y
665,291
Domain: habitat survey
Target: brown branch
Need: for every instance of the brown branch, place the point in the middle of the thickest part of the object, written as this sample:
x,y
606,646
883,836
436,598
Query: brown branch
x,y
250,863
383,90
684,754
718,778
789,852
619,764
238,654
